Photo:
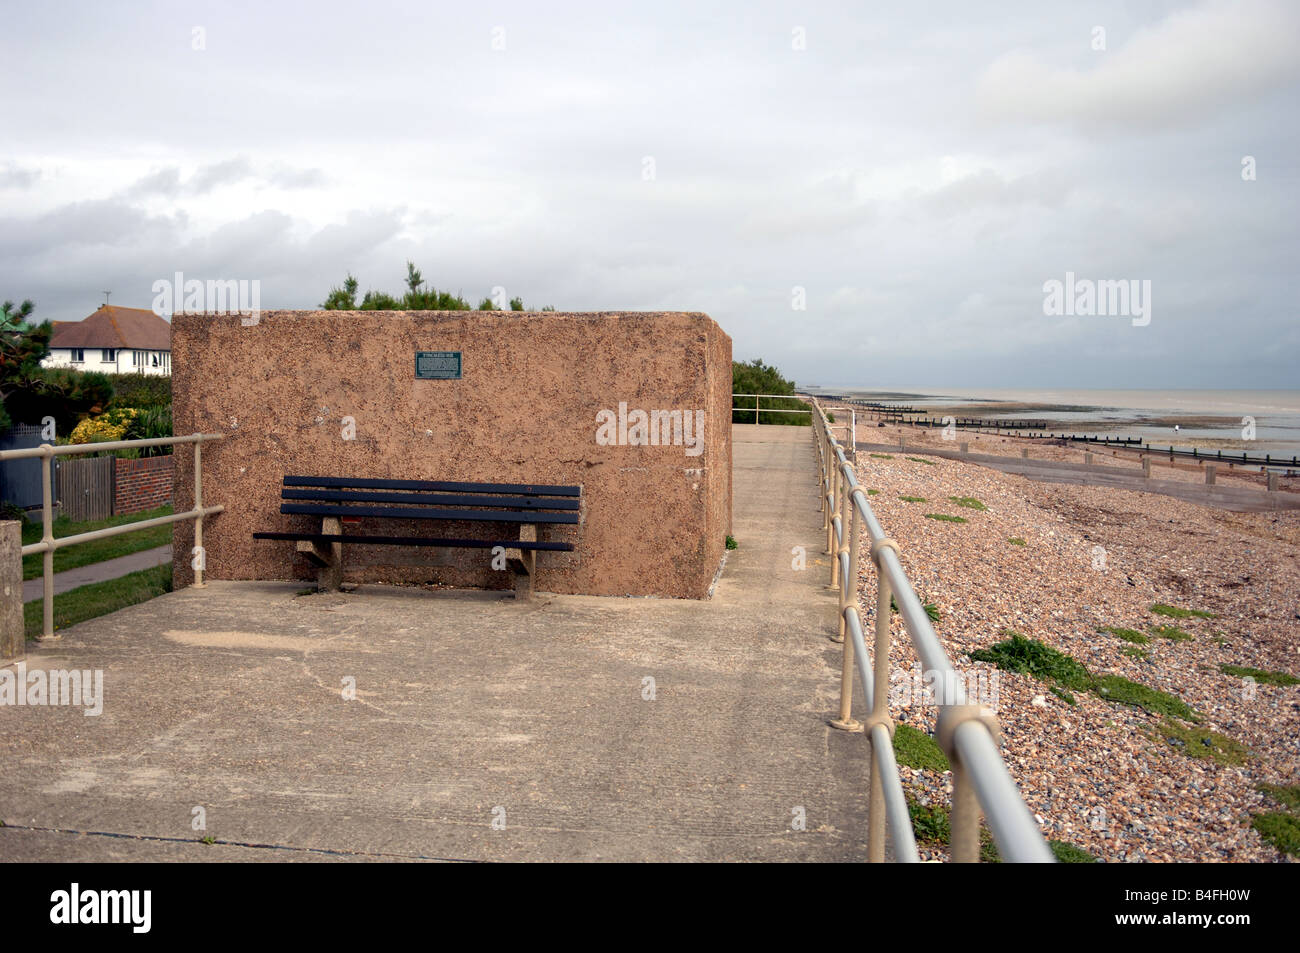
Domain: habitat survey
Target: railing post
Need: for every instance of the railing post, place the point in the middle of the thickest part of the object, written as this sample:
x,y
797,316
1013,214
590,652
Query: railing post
x,y
47,537
201,561
964,819
756,399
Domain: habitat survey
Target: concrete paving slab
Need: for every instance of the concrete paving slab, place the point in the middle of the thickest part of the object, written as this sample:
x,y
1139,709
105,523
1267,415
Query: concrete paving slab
x,y
470,709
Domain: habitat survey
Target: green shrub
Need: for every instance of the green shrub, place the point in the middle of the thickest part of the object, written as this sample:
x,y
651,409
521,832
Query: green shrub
x,y
1060,671
1171,632
756,377
141,390
1033,658
1016,541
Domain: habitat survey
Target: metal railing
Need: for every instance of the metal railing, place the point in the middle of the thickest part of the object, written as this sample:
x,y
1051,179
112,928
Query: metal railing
x,y
851,425
967,733
49,544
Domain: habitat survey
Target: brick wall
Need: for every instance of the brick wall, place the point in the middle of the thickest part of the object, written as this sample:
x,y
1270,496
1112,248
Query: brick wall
x,y
143,484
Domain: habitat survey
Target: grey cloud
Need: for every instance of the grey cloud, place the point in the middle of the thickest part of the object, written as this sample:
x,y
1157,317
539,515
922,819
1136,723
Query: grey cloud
x,y
15,176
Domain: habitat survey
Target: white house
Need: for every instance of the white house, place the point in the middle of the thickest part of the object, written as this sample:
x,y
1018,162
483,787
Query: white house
x,y
115,341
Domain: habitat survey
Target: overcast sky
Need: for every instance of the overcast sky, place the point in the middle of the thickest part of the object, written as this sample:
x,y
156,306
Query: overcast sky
x,y
919,169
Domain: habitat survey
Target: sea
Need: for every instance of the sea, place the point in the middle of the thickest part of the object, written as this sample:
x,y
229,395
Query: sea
x,y
1258,421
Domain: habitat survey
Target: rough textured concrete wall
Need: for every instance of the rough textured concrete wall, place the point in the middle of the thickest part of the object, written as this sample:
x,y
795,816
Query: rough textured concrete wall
x,y
13,641
654,519
142,484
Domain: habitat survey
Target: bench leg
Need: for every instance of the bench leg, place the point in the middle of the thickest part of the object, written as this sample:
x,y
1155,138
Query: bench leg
x,y
523,563
329,576
524,575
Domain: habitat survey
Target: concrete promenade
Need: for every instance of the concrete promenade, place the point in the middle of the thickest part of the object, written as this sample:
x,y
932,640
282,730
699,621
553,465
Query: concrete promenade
x,y
470,708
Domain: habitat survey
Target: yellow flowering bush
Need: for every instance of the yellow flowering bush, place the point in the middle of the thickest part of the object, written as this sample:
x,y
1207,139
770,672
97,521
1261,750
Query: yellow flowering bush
x,y
110,426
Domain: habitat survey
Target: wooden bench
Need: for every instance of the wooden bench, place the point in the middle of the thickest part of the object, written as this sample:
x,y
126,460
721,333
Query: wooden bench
x,y
339,499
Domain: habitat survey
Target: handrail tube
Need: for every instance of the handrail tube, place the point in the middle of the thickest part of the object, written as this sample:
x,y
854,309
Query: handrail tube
x,y
47,452
64,541
1014,828
69,449
900,821
979,768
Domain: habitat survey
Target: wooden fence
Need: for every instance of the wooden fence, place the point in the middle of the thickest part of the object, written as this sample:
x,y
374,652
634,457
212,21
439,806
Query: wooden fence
x,y
84,487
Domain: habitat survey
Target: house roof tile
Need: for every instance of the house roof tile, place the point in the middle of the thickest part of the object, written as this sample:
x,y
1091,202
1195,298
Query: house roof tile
x,y
115,327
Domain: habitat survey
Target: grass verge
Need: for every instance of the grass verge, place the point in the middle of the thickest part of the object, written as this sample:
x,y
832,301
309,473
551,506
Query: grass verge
x,y
97,550
99,598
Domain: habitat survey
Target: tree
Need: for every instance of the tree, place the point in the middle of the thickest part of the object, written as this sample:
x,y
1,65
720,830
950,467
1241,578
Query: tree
x,y
759,378
29,392
342,299
15,318
418,297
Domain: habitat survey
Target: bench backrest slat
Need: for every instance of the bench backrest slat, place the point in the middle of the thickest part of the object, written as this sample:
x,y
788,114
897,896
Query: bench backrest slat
x,y
529,503
366,483
415,512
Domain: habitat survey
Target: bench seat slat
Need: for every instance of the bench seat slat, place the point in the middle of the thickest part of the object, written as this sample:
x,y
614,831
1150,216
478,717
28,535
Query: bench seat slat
x,y
443,499
366,483
420,513
544,546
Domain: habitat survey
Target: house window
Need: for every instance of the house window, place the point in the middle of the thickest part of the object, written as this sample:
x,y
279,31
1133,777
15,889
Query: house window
x,y
78,355
108,355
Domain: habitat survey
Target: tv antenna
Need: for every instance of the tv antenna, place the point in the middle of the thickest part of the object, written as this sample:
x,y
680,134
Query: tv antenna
x,y
106,294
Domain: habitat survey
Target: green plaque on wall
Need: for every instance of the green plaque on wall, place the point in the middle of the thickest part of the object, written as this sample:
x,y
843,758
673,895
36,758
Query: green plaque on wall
x,y
437,365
